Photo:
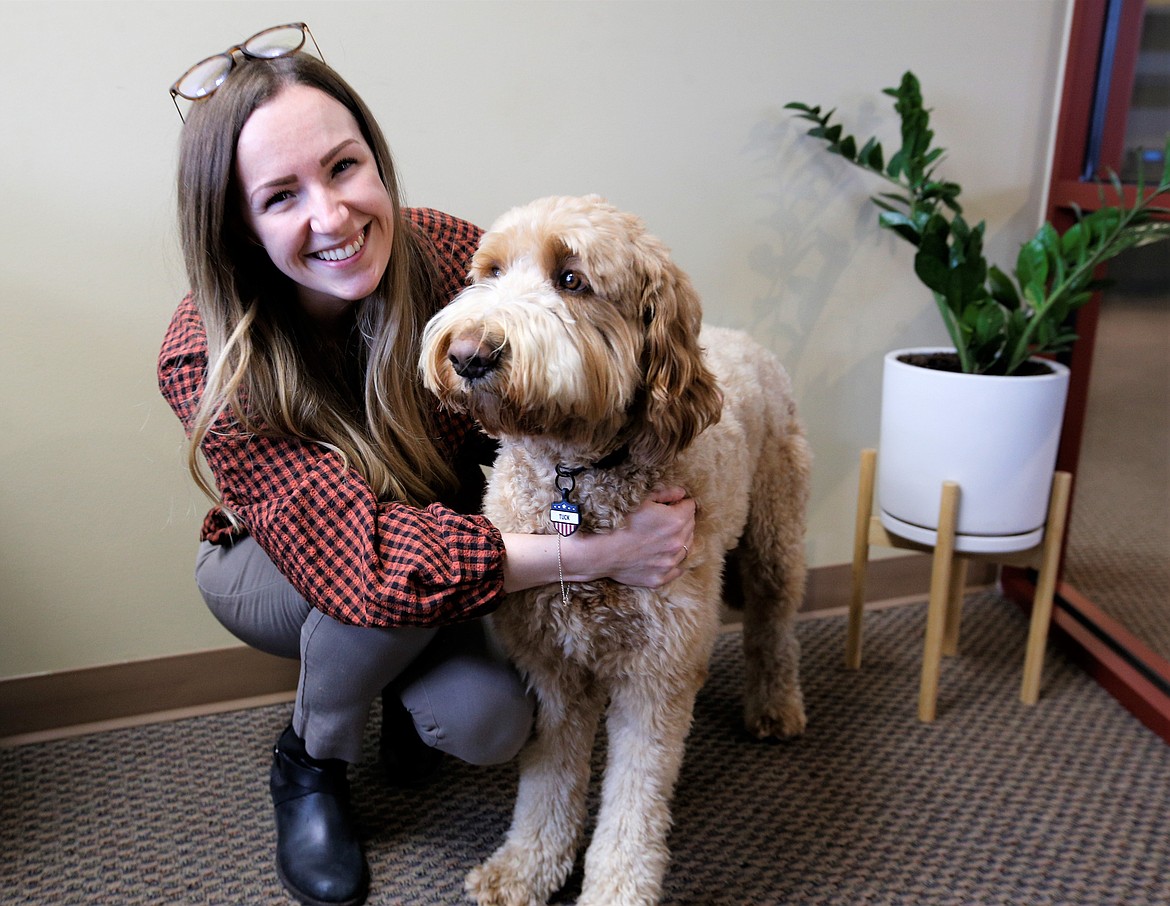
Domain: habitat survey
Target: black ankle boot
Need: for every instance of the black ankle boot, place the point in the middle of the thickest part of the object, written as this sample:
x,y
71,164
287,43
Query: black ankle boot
x,y
318,857
407,761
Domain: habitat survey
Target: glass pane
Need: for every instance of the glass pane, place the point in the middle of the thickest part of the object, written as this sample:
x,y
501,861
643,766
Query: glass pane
x,y
1148,123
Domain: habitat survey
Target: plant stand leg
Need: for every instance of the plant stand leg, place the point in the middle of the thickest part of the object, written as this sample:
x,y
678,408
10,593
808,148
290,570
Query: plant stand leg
x,y
940,591
955,606
860,558
1045,587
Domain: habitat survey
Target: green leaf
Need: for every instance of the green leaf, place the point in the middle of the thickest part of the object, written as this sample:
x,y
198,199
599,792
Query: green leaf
x,y
1101,223
896,165
1015,325
830,134
900,224
1054,268
1074,242
1002,288
959,229
989,323
1033,294
932,270
870,155
1032,268
1049,240
933,273
934,155
949,194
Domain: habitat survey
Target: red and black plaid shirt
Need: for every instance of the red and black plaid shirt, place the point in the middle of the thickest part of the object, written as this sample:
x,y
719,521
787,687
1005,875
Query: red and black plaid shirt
x,y
358,559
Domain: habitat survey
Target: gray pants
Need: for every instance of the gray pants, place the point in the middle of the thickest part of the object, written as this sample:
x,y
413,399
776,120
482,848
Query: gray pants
x,y
464,696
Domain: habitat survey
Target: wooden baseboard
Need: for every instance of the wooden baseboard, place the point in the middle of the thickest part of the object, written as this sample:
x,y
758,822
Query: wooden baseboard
x,y
888,579
75,702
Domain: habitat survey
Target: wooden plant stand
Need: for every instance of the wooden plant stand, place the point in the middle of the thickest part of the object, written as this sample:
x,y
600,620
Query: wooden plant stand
x,y
948,576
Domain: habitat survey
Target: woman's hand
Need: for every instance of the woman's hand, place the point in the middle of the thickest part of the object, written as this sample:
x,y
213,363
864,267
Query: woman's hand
x,y
649,550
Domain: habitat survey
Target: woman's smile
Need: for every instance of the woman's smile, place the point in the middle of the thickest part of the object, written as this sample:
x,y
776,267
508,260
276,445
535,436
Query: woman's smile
x,y
343,252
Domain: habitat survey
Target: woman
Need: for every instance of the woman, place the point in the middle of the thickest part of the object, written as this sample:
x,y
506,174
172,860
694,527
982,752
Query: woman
x,y
344,531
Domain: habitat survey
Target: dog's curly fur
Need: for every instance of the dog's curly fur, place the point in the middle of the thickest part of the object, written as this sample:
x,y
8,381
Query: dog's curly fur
x,y
579,344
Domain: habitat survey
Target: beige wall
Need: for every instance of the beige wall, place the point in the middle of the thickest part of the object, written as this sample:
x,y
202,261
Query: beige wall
x,y
672,110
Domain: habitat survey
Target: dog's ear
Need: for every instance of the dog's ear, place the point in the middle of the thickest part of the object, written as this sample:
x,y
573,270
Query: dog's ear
x,y
681,395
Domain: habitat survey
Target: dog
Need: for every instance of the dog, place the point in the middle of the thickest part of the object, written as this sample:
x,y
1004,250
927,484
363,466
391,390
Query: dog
x,y
578,345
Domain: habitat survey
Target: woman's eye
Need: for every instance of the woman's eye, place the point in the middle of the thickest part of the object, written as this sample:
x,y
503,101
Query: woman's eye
x,y
344,164
572,282
276,198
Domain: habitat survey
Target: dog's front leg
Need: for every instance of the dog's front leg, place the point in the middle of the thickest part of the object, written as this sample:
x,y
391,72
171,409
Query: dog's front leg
x,y
648,722
541,846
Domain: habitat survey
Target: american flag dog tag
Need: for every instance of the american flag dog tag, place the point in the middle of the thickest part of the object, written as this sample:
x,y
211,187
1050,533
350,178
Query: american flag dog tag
x,y
565,516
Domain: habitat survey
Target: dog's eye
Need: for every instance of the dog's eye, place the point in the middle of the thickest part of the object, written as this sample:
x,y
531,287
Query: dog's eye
x,y
572,282
495,271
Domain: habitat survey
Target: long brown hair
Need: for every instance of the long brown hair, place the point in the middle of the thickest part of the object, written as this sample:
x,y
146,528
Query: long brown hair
x,y
264,368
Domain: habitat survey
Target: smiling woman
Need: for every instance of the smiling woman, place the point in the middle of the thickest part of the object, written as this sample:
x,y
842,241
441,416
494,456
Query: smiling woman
x,y
346,529
244,229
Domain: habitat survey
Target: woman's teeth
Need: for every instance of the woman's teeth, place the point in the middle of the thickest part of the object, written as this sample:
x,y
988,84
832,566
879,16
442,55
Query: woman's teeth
x,y
342,253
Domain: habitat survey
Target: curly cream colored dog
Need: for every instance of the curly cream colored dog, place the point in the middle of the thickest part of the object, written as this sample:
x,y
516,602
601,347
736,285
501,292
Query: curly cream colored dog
x,y
578,346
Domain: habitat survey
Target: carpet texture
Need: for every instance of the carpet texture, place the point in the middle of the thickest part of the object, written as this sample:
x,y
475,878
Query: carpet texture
x,y
1065,803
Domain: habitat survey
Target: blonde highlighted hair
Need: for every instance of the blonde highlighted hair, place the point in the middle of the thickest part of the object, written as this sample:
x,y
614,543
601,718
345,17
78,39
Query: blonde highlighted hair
x,y
265,368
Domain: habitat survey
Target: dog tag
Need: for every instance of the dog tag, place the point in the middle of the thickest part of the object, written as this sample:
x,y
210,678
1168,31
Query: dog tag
x,y
565,516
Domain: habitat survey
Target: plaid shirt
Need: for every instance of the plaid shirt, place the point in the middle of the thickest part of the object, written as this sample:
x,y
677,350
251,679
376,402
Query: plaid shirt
x,y
358,559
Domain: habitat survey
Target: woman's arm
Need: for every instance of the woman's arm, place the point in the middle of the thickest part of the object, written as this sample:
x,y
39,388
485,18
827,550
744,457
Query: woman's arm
x,y
648,550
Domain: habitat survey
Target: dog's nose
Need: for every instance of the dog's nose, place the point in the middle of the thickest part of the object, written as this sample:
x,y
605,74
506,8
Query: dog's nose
x,y
472,359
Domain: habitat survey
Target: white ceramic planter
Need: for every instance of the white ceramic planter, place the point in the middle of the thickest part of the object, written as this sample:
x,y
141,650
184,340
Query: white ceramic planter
x,y
997,437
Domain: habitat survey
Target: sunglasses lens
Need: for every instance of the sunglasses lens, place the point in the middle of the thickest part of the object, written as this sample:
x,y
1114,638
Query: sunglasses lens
x,y
203,78
275,42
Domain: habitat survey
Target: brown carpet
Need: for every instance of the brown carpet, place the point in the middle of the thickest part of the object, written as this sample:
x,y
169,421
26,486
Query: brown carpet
x,y
1066,803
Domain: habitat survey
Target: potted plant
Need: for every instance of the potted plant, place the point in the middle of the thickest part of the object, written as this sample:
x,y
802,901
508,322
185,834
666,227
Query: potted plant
x,y
987,411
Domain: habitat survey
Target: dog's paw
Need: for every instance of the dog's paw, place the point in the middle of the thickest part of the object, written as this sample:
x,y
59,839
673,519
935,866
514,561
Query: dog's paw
x,y
776,722
496,883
